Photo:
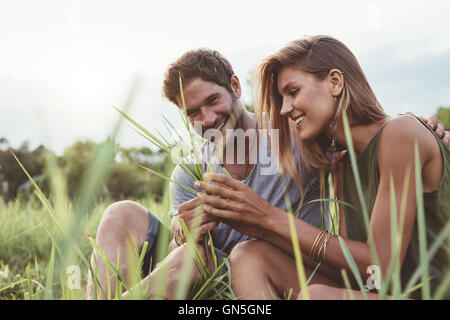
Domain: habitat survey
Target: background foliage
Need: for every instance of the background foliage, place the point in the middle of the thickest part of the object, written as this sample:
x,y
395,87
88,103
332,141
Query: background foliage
x,y
443,115
125,180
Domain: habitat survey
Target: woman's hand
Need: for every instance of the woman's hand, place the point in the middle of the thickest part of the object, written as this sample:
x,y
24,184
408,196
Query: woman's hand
x,y
235,203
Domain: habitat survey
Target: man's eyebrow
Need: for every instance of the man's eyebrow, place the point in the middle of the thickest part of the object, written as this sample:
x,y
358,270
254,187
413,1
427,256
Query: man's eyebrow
x,y
211,97
190,111
208,100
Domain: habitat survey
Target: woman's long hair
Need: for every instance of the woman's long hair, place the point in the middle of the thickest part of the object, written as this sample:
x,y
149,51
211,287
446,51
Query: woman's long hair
x,y
316,55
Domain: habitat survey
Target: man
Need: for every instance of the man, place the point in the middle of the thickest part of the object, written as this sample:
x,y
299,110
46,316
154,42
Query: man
x,y
211,92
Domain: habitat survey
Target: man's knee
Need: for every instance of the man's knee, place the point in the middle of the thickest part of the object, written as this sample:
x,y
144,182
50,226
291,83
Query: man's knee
x,y
125,218
123,211
178,256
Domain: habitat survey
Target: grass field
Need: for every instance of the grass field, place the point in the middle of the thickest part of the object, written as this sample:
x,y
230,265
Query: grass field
x,y
26,245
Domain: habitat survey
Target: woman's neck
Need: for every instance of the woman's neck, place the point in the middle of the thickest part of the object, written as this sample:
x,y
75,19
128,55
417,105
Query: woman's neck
x,y
361,134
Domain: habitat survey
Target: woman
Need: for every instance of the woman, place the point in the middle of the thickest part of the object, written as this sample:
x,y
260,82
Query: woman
x,y
307,88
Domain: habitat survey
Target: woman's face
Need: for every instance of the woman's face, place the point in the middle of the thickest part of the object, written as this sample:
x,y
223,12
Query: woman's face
x,y
307,101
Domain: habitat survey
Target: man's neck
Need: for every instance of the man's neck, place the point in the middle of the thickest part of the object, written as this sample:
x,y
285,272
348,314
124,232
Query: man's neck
x,y
235,167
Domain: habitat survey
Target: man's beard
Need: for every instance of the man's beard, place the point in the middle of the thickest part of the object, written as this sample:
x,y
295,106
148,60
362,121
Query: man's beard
x,y
235,117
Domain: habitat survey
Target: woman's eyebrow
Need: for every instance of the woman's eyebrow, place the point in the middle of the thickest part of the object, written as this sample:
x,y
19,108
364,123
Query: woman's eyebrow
x,y
286,87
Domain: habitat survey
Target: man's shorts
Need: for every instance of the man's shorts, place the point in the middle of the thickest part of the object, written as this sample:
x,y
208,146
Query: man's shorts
x,y
158,239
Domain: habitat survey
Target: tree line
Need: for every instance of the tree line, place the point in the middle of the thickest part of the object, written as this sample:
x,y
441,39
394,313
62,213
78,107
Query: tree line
x,y
126,180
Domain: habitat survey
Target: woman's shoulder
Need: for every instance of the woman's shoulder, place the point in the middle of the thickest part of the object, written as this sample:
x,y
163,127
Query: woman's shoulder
x,y
405,129
401,134
404,124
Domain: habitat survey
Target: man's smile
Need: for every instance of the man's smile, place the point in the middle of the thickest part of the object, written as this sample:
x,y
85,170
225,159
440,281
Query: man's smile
x,y
222,124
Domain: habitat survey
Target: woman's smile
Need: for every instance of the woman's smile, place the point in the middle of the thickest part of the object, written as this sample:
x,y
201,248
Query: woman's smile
x,y
299,121
303,94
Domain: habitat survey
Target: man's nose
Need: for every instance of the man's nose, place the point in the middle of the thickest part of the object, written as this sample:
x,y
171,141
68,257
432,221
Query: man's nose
x,y
208,116
286,108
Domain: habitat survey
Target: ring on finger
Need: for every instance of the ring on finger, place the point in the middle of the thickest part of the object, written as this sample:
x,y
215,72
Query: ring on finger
x,y
178,238
228,204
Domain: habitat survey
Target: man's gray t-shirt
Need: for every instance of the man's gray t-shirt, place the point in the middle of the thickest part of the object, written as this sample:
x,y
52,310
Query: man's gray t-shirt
x,y
271,187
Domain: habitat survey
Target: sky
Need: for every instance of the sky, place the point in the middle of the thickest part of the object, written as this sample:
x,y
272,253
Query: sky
x,y
64,62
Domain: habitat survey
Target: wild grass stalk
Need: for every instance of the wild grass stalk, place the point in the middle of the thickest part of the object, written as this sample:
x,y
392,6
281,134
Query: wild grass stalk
x,y
347,284
301,275
362,200
421,224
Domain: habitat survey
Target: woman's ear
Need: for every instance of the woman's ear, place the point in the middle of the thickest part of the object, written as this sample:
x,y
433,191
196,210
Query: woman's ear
x,y
236,86
336,79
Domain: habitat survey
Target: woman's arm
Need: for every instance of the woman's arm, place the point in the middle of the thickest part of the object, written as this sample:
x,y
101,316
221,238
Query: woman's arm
x,y
397,171
244,210
248,213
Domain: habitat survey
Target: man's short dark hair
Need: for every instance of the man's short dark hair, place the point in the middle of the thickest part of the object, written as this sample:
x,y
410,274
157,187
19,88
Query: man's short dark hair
x,y
209,65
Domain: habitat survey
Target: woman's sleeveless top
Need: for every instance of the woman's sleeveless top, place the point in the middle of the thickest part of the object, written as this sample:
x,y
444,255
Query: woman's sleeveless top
x,y
436,205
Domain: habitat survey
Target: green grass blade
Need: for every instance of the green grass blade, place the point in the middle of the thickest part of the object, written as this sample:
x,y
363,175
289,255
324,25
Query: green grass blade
x,y
209,280
351,263
334,201
226,171
169,125
191,253
157,143
108,263
213,251
302,200
313,273
143,132
50,272
297,252
421,225
443,288
395,243
347,284
118,281
354,165
168,179
425,261
191,242
11,285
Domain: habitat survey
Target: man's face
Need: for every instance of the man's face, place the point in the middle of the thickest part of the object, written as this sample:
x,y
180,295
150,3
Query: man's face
x,y
212,105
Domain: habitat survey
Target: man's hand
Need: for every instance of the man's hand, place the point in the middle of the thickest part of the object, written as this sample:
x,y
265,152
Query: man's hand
x,y
197,222
438,128
235,203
